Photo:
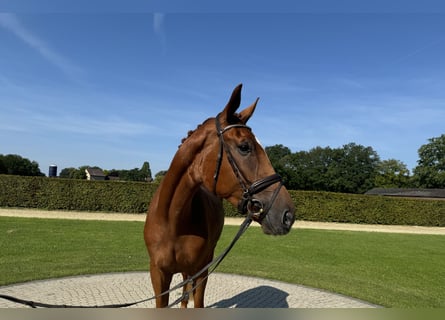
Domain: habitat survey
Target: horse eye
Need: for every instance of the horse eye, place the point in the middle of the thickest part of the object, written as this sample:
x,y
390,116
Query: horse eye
x,y
244,148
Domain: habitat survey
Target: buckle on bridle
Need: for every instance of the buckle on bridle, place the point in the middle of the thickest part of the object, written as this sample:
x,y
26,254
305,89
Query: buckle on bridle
x,y
252,207
255,208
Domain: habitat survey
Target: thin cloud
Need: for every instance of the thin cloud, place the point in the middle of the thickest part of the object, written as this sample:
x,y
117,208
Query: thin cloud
x,y
112,126
12,23
158,28
419,50
349,83
22,119
158,22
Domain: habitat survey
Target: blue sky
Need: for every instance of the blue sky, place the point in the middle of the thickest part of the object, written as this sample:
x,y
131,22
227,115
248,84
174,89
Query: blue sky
x,y
117,89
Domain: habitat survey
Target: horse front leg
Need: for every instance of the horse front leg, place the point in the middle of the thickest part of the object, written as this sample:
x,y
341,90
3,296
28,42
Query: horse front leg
x,y
161,283
198,293
187,291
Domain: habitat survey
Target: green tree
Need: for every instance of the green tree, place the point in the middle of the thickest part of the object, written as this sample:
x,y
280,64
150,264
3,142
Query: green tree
x,y
73,173
80,172
135,174
309,169
112,173
67,173
352,169
145,172
392,173
130,175
277,153
430,169
279,157
159,176
294,170
319,161
17,165
3,169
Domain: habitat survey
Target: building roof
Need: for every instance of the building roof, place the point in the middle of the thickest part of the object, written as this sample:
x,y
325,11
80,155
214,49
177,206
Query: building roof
x,y
95,172
408,192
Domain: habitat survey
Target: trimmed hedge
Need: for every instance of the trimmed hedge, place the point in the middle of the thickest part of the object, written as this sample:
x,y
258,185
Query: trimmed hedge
x,y
72,194
134,197
368,209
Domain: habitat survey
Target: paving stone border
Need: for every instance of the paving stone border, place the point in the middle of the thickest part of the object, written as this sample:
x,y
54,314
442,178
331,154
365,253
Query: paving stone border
x,y
223,291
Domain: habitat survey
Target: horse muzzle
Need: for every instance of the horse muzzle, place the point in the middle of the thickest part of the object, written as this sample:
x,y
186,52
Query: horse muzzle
x,y
275,217
278,222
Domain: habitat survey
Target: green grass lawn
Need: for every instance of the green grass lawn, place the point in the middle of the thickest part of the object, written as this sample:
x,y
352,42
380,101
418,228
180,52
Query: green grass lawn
x,y
394,270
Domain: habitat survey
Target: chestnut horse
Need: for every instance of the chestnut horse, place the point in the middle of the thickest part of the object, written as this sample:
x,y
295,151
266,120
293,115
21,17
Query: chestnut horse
x,y
221,159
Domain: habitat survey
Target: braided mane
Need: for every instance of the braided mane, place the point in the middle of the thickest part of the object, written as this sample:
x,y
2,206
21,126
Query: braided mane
x,y
235,116
189,133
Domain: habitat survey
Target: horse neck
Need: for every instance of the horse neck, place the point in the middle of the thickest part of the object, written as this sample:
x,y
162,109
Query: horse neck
x,y
183,177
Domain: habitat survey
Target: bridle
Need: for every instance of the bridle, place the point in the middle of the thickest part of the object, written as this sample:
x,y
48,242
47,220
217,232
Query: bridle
x,y
248,204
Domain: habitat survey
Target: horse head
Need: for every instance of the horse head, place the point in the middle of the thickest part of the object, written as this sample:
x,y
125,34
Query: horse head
x,y
243,173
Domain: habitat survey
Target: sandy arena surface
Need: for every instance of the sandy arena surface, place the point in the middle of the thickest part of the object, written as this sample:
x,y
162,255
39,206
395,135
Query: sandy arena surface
x,y
32,213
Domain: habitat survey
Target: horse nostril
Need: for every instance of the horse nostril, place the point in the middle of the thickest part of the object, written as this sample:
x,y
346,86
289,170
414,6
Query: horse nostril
x,y
288,218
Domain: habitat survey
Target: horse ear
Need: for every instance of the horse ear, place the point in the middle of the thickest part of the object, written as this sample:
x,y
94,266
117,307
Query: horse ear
x,y
233,104
247,113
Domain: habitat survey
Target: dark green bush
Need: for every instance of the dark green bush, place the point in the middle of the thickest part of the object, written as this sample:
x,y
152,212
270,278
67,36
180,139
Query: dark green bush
x,y
134,197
